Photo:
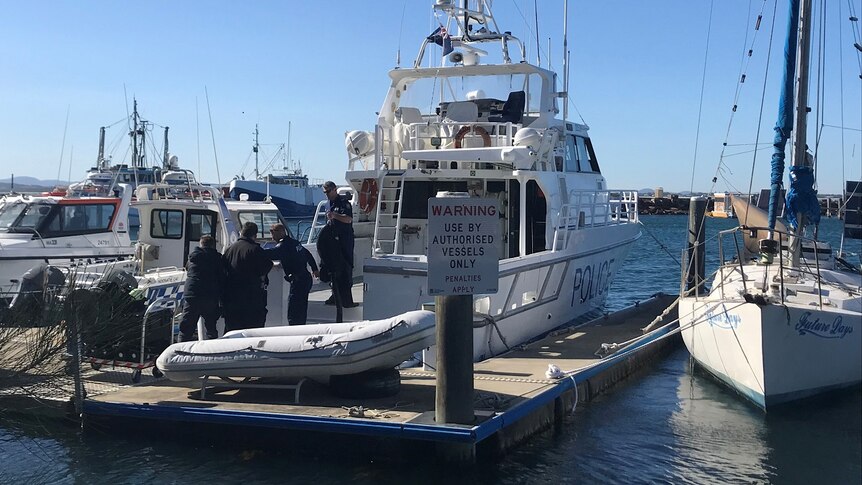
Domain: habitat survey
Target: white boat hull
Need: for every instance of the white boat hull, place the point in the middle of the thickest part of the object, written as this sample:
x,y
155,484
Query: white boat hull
x,y
537,293
773,354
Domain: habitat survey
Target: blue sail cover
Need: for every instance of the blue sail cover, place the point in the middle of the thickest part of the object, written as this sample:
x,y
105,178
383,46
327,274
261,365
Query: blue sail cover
x,y
784,125
802,198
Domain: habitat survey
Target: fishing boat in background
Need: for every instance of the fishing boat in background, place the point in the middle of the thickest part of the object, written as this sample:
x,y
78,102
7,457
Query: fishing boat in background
x,y
783,318
493,133
290,190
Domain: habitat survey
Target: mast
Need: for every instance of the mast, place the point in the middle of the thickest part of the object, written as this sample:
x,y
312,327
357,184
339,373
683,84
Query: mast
x,y
100,158
801,167
255,149
288,164
134,133
565,61
165,162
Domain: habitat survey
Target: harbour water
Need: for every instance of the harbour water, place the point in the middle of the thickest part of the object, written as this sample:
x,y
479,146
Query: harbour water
x,y
668,424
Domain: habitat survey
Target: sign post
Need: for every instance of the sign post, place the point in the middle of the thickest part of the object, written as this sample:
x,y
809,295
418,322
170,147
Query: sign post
x,y
462,260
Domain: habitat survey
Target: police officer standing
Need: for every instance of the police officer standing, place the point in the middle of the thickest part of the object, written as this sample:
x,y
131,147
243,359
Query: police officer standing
x,y
246,266
295,260
339,215
202,290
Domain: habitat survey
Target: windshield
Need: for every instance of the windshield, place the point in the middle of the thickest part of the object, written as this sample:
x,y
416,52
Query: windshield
x,y
427,93
263,219
22,216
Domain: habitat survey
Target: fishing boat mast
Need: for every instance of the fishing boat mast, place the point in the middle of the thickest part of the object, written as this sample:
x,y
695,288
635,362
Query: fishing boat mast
x,y
100,158
256,150
165,161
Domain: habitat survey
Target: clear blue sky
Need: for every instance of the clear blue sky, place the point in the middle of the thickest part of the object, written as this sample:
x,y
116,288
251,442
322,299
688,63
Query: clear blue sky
x,y
636,80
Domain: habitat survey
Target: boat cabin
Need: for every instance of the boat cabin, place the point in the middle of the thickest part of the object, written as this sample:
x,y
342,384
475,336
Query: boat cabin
x,y
174,217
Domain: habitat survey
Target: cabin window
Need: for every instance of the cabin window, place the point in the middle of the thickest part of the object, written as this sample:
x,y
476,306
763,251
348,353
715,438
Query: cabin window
x,y
199,225
594,163
263,220
79,219
571,155
166,224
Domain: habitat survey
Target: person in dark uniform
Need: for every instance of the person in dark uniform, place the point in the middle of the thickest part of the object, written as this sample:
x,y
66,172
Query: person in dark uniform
x,y
246,266
295,261
339,215
203,289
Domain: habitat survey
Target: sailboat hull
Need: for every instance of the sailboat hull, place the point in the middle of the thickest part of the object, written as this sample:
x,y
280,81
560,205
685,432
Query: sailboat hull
x,y
774,354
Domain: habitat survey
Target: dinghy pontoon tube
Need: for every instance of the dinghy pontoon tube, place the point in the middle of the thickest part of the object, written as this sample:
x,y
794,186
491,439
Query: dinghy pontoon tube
x,y
315,351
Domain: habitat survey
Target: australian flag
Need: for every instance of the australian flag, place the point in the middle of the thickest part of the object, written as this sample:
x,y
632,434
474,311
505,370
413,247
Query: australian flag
x,y
441,38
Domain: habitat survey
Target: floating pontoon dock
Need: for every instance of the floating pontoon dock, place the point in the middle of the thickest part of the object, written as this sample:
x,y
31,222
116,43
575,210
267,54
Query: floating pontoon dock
x,y
514,398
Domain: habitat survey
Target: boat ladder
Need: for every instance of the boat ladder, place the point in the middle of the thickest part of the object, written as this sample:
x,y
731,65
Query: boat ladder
x,y
387,223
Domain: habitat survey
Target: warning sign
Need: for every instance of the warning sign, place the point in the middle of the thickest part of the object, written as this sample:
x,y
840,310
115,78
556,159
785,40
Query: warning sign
x,y
463,234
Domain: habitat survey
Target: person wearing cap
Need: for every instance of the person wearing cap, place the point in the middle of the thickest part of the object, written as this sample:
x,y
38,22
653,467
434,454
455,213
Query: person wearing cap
x,y
339,215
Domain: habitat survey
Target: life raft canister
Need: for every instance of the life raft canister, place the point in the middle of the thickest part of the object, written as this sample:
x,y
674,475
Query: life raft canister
x,y
368,195
459,137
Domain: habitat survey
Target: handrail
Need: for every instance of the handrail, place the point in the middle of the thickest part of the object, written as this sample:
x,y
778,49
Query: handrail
x,y
601,207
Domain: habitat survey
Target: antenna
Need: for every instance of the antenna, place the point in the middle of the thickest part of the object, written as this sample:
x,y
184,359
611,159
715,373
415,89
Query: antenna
x,y
538,45
565,61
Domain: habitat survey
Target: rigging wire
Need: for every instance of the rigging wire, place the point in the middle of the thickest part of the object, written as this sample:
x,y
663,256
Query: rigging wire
x,y
744,65
212,134
820,94
841,88
530,28
63,145
762,104
702,86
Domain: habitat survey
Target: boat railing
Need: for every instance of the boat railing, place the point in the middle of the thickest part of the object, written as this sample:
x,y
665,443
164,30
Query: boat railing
x,y
592,209
447,134
391,141
195,193
743,254
317,223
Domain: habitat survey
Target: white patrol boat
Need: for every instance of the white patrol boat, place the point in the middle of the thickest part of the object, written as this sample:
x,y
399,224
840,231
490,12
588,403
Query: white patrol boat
x,y
479,122
61,230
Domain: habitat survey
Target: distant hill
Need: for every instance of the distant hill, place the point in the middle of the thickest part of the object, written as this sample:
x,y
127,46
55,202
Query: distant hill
x,y
31,181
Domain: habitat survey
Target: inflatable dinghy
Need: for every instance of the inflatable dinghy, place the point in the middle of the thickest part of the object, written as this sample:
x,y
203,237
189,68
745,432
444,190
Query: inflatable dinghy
x,y
315,351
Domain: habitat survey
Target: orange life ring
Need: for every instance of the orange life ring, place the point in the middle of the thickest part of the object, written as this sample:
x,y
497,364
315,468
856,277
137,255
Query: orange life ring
x,y
486,138
368,195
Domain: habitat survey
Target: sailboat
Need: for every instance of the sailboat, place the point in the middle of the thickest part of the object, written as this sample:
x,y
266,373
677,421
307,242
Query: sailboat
x,y
483,120
783,318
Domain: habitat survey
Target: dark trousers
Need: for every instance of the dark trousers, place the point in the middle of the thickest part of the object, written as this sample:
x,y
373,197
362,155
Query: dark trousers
x,y
297,301
249,312
344,281
193,309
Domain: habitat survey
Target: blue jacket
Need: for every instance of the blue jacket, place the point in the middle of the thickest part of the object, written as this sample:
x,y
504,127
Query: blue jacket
x,y
294,258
